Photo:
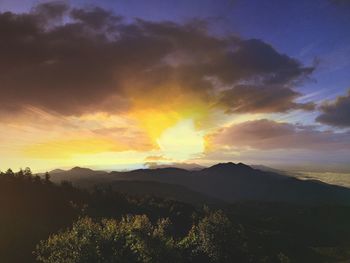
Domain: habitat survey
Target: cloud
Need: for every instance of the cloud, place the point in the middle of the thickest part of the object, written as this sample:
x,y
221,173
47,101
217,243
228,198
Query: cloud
x,y
80,142
39,134
81,60
50,11
260,98
340,2
153,158
131,137
336,113
66,148
270,135
97,18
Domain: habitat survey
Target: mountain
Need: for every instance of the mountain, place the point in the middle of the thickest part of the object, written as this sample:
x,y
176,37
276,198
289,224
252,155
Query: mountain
x,y
76,174
163,190
187,166
225,181
268,169
130,183
237,182
56,171
34,209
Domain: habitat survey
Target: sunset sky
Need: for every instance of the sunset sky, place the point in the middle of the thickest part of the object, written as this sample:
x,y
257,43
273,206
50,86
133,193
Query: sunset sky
x,y
120,84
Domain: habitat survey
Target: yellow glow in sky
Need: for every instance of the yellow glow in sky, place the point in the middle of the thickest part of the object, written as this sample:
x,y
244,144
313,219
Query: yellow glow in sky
x,y
155,122
181,141
65,149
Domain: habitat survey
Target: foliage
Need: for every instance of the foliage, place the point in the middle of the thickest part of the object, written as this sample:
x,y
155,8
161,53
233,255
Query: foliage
x,y
136,239
33,208
217,237
105,226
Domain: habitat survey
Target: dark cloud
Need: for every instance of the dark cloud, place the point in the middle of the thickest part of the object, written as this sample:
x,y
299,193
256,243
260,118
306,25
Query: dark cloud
x,y
260,98
254,58
268,135
74,61
51,10
96,17
269,79
340,2
336,113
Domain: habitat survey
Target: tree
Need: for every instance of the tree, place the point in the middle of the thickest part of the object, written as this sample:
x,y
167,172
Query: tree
x,y
47,177
216,237
9,172
20,174
135,239
132,239
27,172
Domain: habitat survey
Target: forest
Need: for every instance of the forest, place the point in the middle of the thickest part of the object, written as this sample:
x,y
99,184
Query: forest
x,y
46,222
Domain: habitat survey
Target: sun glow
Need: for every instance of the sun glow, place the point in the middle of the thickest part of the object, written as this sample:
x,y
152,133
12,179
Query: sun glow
x,y
154,122
181,141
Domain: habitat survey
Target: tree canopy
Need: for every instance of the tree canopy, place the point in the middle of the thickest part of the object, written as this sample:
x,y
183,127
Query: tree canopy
x,y
137,239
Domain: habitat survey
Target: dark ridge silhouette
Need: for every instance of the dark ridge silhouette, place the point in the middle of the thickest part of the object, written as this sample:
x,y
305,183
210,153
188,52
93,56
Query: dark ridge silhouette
x,y
163,190
269,169
81,171
228,167
224,181
57,171
186,166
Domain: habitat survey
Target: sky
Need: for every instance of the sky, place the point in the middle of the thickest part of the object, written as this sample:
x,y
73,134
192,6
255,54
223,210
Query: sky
x,y
122,84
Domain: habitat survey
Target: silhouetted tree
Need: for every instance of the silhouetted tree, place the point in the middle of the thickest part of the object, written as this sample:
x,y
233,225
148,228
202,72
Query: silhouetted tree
x,y
9,172
27,172
20,174
47,177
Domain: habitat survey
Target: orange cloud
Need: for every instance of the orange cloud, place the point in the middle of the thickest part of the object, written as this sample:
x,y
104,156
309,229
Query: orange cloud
x,y
268,135
63,149
153,158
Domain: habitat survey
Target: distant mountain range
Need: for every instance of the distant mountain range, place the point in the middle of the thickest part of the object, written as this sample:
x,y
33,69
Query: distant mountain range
x,y
229,182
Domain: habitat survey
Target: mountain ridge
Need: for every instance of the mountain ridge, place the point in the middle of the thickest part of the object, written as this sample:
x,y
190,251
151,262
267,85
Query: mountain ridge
x,y
225,181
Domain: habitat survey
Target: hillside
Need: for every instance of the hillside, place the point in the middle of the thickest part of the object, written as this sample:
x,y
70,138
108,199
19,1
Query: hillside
x,y
226,181
163,190
34,208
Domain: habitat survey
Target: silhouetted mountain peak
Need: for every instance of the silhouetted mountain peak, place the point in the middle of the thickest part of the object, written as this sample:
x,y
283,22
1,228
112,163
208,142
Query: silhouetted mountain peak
x,y
80,169
185,166
57,171
243,165
228,167
226,181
